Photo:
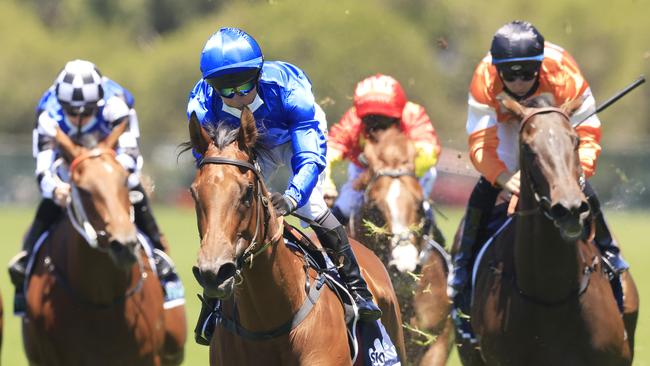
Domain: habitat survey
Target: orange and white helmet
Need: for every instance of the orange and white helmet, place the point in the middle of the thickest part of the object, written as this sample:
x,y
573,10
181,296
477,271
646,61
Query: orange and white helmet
x,y
380,95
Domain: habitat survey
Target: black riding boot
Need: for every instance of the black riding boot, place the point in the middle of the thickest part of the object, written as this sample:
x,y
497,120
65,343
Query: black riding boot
x,y
340,216
172,287
46,214
460,281
479,207
333,237
603,238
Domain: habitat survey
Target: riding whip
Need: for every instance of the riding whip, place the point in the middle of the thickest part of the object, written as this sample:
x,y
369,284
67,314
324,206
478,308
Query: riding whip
x,y
614,98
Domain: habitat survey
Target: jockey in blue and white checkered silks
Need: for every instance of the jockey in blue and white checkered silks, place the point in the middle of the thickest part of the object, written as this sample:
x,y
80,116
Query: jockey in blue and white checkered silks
x,y
292,133
86,106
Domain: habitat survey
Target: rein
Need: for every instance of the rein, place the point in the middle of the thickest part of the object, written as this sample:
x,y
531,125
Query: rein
x,y
544,206
313,291
79,220
262,203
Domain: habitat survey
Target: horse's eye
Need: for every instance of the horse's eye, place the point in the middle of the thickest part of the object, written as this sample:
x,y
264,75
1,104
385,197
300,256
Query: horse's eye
x,y
248,196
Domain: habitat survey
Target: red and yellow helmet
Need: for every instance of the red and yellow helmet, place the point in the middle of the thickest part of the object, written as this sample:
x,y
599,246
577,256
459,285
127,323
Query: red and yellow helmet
x,y
379,95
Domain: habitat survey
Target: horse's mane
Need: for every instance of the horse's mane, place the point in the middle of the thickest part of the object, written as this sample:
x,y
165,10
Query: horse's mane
x,y
222,135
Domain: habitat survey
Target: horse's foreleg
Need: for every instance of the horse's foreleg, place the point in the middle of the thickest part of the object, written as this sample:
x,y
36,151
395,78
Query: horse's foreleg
x,y
630,307
438,353
173,351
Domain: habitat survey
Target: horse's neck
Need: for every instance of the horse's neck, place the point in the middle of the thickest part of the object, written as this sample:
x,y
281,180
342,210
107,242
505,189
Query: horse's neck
x,y
272,289
545,265
91,274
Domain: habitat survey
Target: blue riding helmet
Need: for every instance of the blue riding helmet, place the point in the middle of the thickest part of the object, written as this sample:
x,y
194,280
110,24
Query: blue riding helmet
x,y
230,57
517,41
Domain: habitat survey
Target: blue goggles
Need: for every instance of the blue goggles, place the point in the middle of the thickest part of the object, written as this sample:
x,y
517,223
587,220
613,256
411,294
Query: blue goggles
x,y
241,90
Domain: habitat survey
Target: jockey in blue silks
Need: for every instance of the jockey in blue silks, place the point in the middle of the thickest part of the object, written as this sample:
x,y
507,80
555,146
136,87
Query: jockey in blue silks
x,y
292,133
86,106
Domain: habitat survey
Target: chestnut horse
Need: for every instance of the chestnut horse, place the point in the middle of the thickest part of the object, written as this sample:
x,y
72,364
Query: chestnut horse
x,y
261,283
541,294
93,297
390,223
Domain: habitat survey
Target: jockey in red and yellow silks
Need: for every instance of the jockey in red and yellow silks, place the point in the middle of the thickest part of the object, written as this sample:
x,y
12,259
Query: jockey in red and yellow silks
x,y
521,65
378,95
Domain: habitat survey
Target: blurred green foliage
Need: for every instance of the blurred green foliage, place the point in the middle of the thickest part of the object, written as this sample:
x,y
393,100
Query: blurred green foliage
x,y
153,47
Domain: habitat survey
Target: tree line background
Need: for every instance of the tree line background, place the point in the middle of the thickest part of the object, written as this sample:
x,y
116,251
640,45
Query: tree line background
x,y
152,47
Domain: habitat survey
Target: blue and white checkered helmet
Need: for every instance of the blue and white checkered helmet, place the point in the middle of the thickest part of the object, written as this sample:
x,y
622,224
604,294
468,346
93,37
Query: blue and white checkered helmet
x,y
79,84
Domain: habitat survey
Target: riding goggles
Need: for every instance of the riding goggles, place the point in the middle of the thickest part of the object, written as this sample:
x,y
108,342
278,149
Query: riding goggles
x,y
517,71
83,111
241,90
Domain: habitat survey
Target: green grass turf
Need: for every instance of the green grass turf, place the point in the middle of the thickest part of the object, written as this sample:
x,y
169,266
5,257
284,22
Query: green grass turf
x,y
631,228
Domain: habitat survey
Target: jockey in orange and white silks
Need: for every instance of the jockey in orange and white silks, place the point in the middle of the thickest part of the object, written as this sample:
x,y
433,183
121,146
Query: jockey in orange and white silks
x,y
375,97
521,65
493,131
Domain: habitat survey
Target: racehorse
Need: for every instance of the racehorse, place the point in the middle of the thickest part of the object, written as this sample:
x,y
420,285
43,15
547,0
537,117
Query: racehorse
x,y
93,297
260,282
541,292
390,222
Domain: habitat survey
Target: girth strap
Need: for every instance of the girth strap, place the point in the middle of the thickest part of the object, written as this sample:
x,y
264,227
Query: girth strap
x,y
312,297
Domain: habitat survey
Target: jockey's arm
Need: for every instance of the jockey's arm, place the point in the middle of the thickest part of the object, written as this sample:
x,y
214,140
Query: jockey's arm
x,y
309,146
44,153
423,134
589,134
483,140
128,152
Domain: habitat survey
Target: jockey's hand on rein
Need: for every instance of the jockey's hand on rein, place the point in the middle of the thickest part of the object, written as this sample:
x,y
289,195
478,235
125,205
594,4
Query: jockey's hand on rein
x,y
61,194
509,181
283,204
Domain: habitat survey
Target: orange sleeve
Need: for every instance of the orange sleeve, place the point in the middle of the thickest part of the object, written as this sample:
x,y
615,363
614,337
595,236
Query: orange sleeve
x,y
589,148
483,153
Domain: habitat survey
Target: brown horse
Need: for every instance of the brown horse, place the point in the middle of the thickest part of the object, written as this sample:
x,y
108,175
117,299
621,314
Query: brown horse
x,y
541,294
93,298
390,223
260,281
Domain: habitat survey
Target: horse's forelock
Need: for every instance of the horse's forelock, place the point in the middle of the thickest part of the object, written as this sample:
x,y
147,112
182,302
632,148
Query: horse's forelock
x,y
539,101
223,134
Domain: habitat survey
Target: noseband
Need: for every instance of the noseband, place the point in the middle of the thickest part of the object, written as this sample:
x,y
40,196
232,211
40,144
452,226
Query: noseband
x,y
262,203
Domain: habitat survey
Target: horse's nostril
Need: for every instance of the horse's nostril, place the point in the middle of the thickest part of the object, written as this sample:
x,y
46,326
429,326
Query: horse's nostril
x,y
559,211
226,271
584,207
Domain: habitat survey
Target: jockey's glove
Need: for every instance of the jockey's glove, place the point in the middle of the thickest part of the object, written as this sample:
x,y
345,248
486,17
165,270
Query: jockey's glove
x,y
283,204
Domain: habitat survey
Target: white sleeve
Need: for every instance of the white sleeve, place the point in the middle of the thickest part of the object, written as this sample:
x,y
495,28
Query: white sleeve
x,y
115,109
44,161
479,116
588,106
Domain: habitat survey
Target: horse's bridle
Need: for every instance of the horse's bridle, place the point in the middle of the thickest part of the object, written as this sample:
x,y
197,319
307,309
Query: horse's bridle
x,y
262,208
543,201
405,237
79,220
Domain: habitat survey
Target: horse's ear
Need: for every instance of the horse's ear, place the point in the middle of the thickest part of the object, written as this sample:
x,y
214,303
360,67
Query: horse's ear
x,y
512,105
111,140
198,135
67,147
248,131
571,106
